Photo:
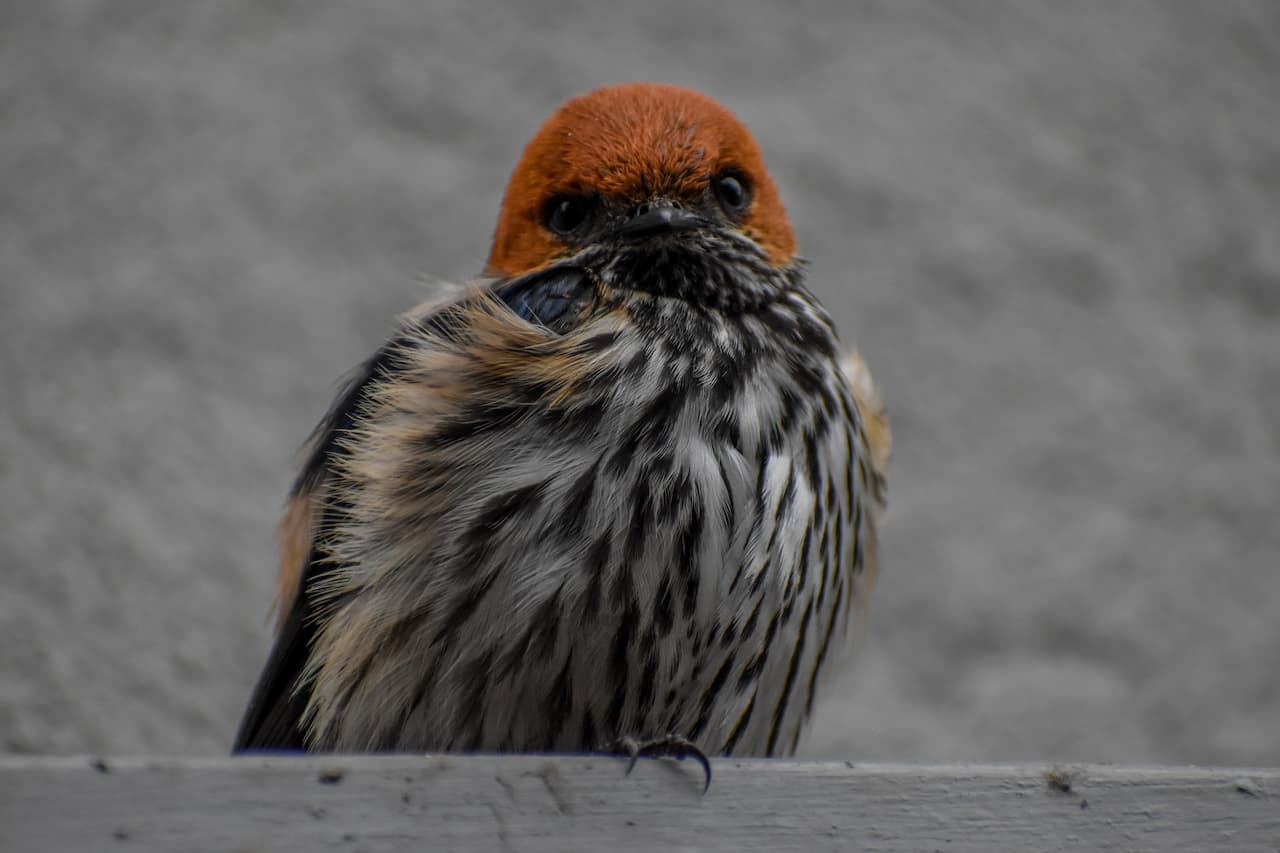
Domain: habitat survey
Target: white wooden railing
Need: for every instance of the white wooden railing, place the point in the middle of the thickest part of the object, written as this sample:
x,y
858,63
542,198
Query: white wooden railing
x,y
564,803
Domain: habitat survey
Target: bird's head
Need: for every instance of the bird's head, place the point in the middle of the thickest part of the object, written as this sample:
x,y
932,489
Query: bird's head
x,y
635,168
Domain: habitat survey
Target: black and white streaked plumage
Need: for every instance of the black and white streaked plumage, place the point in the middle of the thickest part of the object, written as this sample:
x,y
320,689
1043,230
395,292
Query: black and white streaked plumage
x,y
626,487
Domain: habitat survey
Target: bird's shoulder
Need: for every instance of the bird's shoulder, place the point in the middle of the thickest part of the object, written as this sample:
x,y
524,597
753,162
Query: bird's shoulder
x,y
550,301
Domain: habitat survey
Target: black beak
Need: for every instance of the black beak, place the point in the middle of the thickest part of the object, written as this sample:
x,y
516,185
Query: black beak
x,y
658,218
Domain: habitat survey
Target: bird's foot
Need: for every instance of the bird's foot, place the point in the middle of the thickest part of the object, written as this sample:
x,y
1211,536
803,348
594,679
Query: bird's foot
x,y
670,746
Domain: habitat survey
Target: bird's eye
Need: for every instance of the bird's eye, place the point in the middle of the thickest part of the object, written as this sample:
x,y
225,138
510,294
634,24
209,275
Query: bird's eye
x,y
566,214
732,191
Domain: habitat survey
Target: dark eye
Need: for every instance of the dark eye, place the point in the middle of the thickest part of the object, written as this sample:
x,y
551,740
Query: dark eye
x,y
732,191
565,214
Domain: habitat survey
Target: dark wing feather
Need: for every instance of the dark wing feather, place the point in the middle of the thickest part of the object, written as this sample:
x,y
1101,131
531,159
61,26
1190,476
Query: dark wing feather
x,y
555,298
272,719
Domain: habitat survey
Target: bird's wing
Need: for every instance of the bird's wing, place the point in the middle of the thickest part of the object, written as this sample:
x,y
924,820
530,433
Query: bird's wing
x,y
554,298
872,469
875,422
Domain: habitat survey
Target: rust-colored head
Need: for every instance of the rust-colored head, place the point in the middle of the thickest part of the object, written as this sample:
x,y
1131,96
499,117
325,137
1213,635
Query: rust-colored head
x,y
628,145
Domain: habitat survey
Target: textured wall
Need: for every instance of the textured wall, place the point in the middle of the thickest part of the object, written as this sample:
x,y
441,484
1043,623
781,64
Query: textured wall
x,y
1054,229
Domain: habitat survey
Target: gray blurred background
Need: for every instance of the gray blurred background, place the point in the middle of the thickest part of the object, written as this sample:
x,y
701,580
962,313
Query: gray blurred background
x,y
1053,229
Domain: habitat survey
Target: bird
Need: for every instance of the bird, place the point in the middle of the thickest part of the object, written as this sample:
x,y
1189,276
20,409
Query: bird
x,y
621,488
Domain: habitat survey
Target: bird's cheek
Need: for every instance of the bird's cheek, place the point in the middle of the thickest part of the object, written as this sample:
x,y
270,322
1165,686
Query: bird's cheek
x,y
780,248
521,247
757,236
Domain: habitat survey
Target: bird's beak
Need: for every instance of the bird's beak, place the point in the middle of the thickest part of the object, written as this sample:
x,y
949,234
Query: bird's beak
x,y
659,218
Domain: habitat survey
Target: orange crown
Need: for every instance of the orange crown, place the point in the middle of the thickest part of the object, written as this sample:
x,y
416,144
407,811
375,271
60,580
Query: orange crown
x,y
629,143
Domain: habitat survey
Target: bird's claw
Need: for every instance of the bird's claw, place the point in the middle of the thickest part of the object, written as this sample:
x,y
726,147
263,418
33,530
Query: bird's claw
x,y
670,746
